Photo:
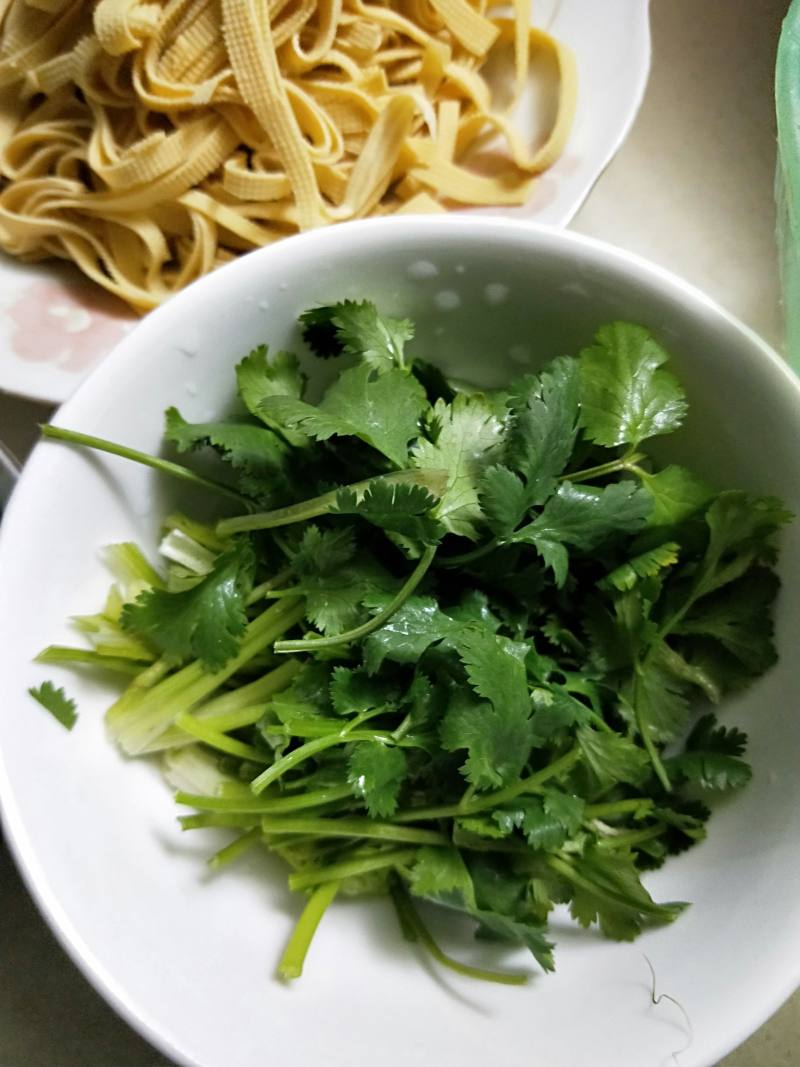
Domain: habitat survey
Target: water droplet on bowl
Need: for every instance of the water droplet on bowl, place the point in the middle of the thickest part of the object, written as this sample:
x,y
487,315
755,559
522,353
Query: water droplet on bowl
x,y
447,300
496,293
263,305
422,268
191,388
519,354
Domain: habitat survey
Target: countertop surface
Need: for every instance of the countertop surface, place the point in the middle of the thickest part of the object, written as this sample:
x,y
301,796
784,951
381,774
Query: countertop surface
x,y
692,190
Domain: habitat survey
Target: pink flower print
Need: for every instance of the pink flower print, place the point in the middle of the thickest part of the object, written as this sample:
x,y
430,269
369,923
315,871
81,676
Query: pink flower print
x,y
70,323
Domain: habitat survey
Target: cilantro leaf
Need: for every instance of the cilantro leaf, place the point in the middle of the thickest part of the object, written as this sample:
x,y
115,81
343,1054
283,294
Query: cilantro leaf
x,y
611,758
607,890
625,396
583,517
659,697
261,375
741,529
495,668
544,428
417,625
738,617
376,773
677,495
382,410
354,692
711,759
545,821
258,456
555,712
440,871
497,744
206,621
466,438
440,874
323,551
357,329
56,701
404,509
503,498
645,565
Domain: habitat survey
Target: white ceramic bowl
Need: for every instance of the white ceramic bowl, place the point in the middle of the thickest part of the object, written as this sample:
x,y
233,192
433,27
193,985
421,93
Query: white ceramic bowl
x,y
189,960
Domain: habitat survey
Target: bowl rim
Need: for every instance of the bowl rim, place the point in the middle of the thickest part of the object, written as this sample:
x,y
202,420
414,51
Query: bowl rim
x,y
548,240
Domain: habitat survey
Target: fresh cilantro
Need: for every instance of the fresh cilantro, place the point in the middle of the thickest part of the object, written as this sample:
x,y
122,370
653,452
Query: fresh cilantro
x,y
206,621
56,701
259,376
357,329
376,773
555,664
382,410
402,509
544,427
258,456
625,395
607,891
677,495
464,439
712,757
584,518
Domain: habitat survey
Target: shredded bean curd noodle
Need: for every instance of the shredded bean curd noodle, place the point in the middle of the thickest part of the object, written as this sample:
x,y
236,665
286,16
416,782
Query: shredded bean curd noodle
x,y
152,142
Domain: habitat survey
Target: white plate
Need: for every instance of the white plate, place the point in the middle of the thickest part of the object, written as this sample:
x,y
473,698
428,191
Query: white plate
x,y
55,326
189,959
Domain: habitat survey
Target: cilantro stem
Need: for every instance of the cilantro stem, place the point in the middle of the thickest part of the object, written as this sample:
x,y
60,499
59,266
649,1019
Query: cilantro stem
x,y
265,805
291,964
140,716
302,753
217,818
363,828
236,848
631,838
434,481
64,654
260,591
99,444
473,554
626,463
659,912
643,726
415,930
307,644
530,784
352,868
215,739
635,805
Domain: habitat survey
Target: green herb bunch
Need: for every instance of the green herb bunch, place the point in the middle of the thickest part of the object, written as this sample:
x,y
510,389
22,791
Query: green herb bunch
x,y
456,645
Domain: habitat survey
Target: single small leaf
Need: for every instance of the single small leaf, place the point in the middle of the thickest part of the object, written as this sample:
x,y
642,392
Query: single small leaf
x,y
544,428
656,698
354,692
611,758
503,498
357,329
607,890
712,757
677,495
439,873
625,396
56,701
323,552
497,744
382,410
404,509
376,772
261,375
466,441
206,621
258,455
417,625
645,565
